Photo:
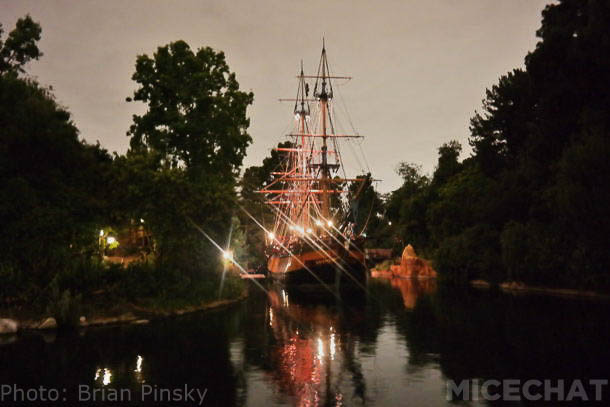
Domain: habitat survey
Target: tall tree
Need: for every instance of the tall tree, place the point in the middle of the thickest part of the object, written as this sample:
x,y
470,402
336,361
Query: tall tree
x,y
20,46
187,149
53,191
196,114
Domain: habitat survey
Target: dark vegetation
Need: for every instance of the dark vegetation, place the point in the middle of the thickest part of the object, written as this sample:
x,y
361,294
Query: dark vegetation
x,y
60,196
531,203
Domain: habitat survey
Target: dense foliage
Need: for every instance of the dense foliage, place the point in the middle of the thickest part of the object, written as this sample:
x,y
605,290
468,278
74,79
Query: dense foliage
x,y
53,186
532,203
60,196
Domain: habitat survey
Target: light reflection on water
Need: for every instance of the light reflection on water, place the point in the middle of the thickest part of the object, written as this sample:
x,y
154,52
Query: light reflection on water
x,y
395,346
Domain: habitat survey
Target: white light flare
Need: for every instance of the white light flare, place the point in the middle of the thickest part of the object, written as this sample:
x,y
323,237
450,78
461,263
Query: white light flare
x,y
320,349
107,377
139,364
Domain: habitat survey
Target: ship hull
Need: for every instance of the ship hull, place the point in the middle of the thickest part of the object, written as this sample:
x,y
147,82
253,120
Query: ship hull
x,y
339,268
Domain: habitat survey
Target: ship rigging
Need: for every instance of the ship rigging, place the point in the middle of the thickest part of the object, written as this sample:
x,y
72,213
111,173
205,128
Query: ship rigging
x,y
309,193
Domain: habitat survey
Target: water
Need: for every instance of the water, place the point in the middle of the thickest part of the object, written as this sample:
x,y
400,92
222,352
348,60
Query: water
x,y
399,345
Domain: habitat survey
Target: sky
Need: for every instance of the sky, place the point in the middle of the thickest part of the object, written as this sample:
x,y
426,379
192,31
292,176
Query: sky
x,y
420,67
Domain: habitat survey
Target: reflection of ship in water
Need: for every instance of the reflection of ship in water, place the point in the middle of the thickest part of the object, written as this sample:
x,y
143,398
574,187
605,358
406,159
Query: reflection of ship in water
x,y
313,352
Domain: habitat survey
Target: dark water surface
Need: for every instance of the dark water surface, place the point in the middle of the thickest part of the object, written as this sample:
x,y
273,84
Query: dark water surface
x,y
396,346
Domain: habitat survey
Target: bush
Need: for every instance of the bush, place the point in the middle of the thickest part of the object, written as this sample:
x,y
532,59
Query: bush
x,y
13,282
63,306
470,255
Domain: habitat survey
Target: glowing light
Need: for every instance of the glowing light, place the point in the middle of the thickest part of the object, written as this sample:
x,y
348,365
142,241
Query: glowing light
x,y
228,255
363,234
110,240
330,223
390,223
139,364
309,230
318,222
141,220
320,349
97,374
291,227
300,229
271,235
332,346
107,377
102,232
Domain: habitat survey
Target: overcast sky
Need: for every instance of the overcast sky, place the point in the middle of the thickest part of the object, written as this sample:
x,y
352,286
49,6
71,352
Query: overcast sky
x,y
420,67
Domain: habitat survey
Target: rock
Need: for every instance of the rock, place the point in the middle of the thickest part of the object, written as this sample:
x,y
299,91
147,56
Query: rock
x,y
512,285
127,317
395,269
408,252
480,284
49,323
8,326
413,266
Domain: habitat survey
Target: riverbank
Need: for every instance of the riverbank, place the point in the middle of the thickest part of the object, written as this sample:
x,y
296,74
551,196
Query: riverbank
x,y
514,287
127,313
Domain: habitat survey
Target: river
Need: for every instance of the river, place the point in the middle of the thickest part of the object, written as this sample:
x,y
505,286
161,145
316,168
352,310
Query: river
x,y
401,344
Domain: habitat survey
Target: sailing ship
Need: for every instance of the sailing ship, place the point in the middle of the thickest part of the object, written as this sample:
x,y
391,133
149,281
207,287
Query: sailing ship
x,y
315,238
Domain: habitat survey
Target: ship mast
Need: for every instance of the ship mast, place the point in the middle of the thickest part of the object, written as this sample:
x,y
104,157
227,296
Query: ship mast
x,y
302,192
301,108
324,96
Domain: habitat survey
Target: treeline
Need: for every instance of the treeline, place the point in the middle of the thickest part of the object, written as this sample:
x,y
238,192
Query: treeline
x,y
59,196
532,202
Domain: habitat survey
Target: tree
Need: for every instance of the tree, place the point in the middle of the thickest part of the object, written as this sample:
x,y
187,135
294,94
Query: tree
x,y
186,151
54,189
20,46
196,114
448,163
367,209
254,179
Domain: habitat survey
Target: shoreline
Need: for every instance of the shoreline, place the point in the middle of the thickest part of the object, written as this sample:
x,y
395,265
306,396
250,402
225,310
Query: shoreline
x,y
516,288
137,315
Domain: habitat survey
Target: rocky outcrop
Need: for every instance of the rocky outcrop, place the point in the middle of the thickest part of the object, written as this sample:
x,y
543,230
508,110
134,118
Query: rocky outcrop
x,y
8,326
49,323
413,266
